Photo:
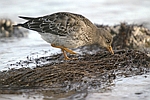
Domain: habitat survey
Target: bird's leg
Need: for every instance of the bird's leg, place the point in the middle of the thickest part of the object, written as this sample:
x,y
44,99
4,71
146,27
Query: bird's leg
x,y
63,50
65,55
66,49
70,51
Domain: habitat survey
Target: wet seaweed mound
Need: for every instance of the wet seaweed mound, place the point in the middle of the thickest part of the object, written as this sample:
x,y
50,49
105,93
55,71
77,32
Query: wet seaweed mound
x,y
88,71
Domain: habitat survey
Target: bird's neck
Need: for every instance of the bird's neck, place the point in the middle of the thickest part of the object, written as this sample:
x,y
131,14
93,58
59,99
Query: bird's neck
x,y
97,35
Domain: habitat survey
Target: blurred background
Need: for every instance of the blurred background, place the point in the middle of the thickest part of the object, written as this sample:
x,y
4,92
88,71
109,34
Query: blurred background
x,y
107,12
98,11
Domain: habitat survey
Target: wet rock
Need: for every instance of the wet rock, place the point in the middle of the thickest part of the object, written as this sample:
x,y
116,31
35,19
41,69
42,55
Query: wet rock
x,y
7,29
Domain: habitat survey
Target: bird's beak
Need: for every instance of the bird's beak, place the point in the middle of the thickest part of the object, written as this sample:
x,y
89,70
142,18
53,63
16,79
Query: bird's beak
x,y
110,49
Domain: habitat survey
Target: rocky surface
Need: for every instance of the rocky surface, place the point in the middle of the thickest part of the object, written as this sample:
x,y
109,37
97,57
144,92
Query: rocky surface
x,y
7,29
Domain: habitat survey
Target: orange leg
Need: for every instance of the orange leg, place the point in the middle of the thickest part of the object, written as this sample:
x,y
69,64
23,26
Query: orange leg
x,y
70,51
63,50
65,55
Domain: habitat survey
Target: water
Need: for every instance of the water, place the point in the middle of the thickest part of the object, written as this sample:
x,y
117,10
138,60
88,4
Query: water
x,y
132,88
98,11
16,49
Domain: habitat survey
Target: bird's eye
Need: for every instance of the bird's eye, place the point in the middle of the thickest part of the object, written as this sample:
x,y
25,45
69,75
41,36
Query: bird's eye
x,y
108,40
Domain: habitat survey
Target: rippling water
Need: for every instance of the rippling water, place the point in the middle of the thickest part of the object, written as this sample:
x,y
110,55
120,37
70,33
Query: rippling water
x,y
98,11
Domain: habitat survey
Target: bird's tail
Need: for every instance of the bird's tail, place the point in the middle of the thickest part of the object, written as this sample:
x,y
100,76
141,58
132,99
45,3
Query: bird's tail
x,y
26,18
24,25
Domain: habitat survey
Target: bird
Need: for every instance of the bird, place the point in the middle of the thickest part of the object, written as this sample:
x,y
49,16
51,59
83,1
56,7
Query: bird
x,y
66,30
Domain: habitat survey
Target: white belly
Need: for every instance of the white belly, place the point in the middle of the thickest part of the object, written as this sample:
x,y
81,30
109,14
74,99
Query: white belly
x,y
65,41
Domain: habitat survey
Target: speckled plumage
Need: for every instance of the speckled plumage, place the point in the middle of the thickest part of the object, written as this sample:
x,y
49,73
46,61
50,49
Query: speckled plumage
x,y
68,30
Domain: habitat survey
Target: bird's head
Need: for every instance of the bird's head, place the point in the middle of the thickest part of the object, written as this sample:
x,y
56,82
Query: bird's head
x,y
104,39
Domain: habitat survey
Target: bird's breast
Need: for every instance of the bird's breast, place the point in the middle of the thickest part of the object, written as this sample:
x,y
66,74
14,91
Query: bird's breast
x,y
69,41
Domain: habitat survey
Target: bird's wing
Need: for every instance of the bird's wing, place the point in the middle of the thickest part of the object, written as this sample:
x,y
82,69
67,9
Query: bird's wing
x,y
57,23
84,19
